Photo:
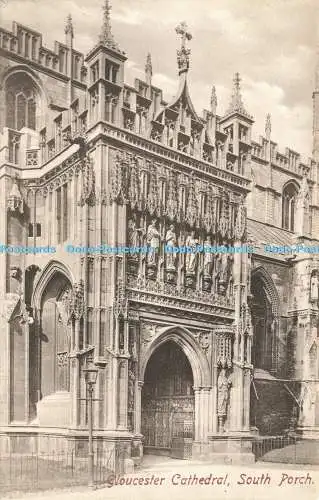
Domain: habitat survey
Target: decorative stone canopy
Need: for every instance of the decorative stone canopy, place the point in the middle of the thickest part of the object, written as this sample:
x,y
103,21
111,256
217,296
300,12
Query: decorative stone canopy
x,y
15,200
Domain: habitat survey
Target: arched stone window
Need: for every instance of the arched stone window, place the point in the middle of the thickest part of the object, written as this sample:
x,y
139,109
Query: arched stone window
x,y
289,197
21,102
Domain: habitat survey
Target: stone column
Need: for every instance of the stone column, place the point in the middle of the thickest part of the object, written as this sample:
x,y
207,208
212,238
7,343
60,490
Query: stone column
x,y
112,393
75,375
75,391
138,407
198,419
27,373
73,218
122,395
205,397
101,104
5,312
54,223
47,215
5,368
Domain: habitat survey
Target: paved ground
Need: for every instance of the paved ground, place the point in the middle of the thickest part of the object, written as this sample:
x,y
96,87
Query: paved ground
x,y
176,479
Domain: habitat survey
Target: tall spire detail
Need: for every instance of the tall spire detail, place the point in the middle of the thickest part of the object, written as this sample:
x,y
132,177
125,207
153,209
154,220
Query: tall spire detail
x,y
148,69
236,103
317,69
213,100
268,126
106,36
69,26
315,98
183,53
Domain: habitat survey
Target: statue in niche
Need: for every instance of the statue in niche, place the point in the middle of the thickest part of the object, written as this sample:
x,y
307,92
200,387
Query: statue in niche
x,y
223,271
192,255
197,143
133,233
171,129
223,390
208,258
314,286
131,387
170,240
153,239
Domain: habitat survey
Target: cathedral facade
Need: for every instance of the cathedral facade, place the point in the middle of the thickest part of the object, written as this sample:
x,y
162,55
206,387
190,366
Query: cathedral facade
x,y
207,349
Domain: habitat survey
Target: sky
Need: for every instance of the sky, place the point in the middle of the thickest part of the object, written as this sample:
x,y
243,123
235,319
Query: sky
x,y
271,43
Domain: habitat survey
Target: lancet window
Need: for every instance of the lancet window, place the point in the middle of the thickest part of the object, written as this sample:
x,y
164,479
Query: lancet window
x,y
21,99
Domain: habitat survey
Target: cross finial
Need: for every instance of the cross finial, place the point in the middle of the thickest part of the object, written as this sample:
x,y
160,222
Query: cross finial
x,y
183,53
182,29
237,81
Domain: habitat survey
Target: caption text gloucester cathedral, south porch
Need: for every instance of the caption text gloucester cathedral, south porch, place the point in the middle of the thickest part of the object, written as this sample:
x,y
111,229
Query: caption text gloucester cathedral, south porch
x,y
219,348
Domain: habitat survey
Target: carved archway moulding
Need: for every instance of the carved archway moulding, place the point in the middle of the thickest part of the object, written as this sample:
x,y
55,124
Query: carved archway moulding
x,y
52,268
270,288
183,338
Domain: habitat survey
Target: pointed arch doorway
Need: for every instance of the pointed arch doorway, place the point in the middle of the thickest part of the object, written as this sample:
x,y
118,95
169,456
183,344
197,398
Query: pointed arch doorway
x,y
168,402
50,373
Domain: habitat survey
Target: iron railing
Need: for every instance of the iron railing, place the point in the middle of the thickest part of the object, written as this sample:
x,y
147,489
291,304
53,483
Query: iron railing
x,y
265,444
32,472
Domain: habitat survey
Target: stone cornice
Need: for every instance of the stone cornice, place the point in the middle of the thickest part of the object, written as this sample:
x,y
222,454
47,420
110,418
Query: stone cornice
x,y
186,163
145,297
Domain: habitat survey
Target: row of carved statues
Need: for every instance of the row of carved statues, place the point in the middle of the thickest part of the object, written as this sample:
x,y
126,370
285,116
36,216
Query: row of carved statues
x,y
186,252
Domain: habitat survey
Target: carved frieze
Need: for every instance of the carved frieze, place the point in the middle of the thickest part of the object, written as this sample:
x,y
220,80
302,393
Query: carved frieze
x,y
240,222
134,193
171,208
76,305
121,303
152,200
192,204
88,194
224,340
120,177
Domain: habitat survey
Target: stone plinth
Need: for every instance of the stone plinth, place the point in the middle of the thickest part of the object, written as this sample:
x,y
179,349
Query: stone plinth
x,y
55,410
231,448
308,432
